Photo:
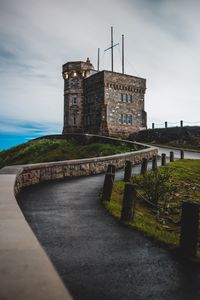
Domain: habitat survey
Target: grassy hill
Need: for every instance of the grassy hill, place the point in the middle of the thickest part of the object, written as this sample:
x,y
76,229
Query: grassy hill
x,y
58,148
163,222
185,137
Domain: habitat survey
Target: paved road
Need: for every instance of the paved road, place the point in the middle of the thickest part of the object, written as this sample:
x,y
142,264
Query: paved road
x,y
96,256
187,154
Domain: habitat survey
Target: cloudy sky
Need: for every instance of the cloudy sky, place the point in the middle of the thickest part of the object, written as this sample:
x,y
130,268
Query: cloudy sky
x,y
162,44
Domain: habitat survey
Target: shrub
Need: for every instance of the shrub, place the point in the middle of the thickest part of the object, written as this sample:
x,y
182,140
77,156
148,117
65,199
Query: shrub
x,y
155,186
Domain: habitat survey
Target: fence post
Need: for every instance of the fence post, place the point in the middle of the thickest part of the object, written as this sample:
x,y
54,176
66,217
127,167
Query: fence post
x,y
111,169
181,123
189,228
128,205
154,163
128,170
165,124
144,166
171,156
153,125
163,159
182,154
108,186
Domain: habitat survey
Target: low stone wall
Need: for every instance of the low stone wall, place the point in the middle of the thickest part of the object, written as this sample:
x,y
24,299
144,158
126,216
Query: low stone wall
x,y
36,173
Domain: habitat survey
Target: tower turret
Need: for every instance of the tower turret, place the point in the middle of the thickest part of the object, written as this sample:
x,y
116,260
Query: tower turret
x,y
74,74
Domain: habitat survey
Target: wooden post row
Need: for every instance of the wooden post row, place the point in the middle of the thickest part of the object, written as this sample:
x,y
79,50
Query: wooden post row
x,y
154,163
144,166
108,186
171,156
182,154
128,205
189,229
163,159
127,171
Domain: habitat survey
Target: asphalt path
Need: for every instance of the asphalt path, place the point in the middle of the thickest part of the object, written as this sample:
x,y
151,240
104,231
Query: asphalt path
x,y
96,256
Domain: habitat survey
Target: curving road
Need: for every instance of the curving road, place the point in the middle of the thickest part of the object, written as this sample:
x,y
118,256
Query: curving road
x,y
96,256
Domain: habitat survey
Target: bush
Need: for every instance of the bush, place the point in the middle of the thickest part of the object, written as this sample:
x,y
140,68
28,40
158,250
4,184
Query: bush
x,y
155,186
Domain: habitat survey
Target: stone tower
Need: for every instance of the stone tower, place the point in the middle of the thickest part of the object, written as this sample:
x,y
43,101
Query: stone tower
x,y
74,74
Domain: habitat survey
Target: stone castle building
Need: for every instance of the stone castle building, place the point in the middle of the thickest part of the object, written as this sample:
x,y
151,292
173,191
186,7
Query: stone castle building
x,y
102,102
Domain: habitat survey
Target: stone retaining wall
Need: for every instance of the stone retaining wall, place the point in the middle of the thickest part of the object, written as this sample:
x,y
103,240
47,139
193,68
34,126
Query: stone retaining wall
x,y
36,173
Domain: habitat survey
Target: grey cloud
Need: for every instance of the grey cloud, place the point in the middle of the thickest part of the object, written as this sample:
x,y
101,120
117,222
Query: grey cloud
x,y
37,37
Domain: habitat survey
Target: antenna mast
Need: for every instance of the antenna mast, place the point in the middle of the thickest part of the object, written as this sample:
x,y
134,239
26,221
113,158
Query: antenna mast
x,y
112,46
98,60
122,54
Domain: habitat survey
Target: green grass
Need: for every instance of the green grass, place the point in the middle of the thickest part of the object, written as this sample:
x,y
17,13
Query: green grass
x,y
47,150
162,224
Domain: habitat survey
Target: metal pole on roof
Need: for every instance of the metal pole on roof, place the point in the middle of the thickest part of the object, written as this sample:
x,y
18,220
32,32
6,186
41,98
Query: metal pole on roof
x,y
98,60
122,54
111,48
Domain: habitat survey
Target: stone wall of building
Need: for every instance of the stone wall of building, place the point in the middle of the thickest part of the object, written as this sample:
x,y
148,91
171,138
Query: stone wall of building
x,y
105,103
124,96
94,106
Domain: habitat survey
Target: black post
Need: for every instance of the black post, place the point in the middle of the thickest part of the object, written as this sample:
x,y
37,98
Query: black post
x,y
111,169
128,170
108,186
163,159
181,123
165,124
182,154
189,228
153,125
154,163
128,204
122,54
171,156
144,166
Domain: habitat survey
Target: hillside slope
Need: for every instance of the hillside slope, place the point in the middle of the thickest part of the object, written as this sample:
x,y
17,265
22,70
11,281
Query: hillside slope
x,y
185,137
55,148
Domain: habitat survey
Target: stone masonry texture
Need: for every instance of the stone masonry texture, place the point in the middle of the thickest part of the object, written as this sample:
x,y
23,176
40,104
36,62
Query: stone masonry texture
x,y
105,103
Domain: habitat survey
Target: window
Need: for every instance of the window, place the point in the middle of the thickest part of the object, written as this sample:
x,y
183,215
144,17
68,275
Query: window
x,y
125,119
74,120
74,99
130,119
129,98
120,119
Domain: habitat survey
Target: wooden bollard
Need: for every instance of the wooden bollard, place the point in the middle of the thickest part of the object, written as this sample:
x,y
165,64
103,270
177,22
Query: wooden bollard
x,y
181,123
128,205
165,124
144,166
154,163
108,186
127,171
182,154
189,228
163,159
111,169
171,157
